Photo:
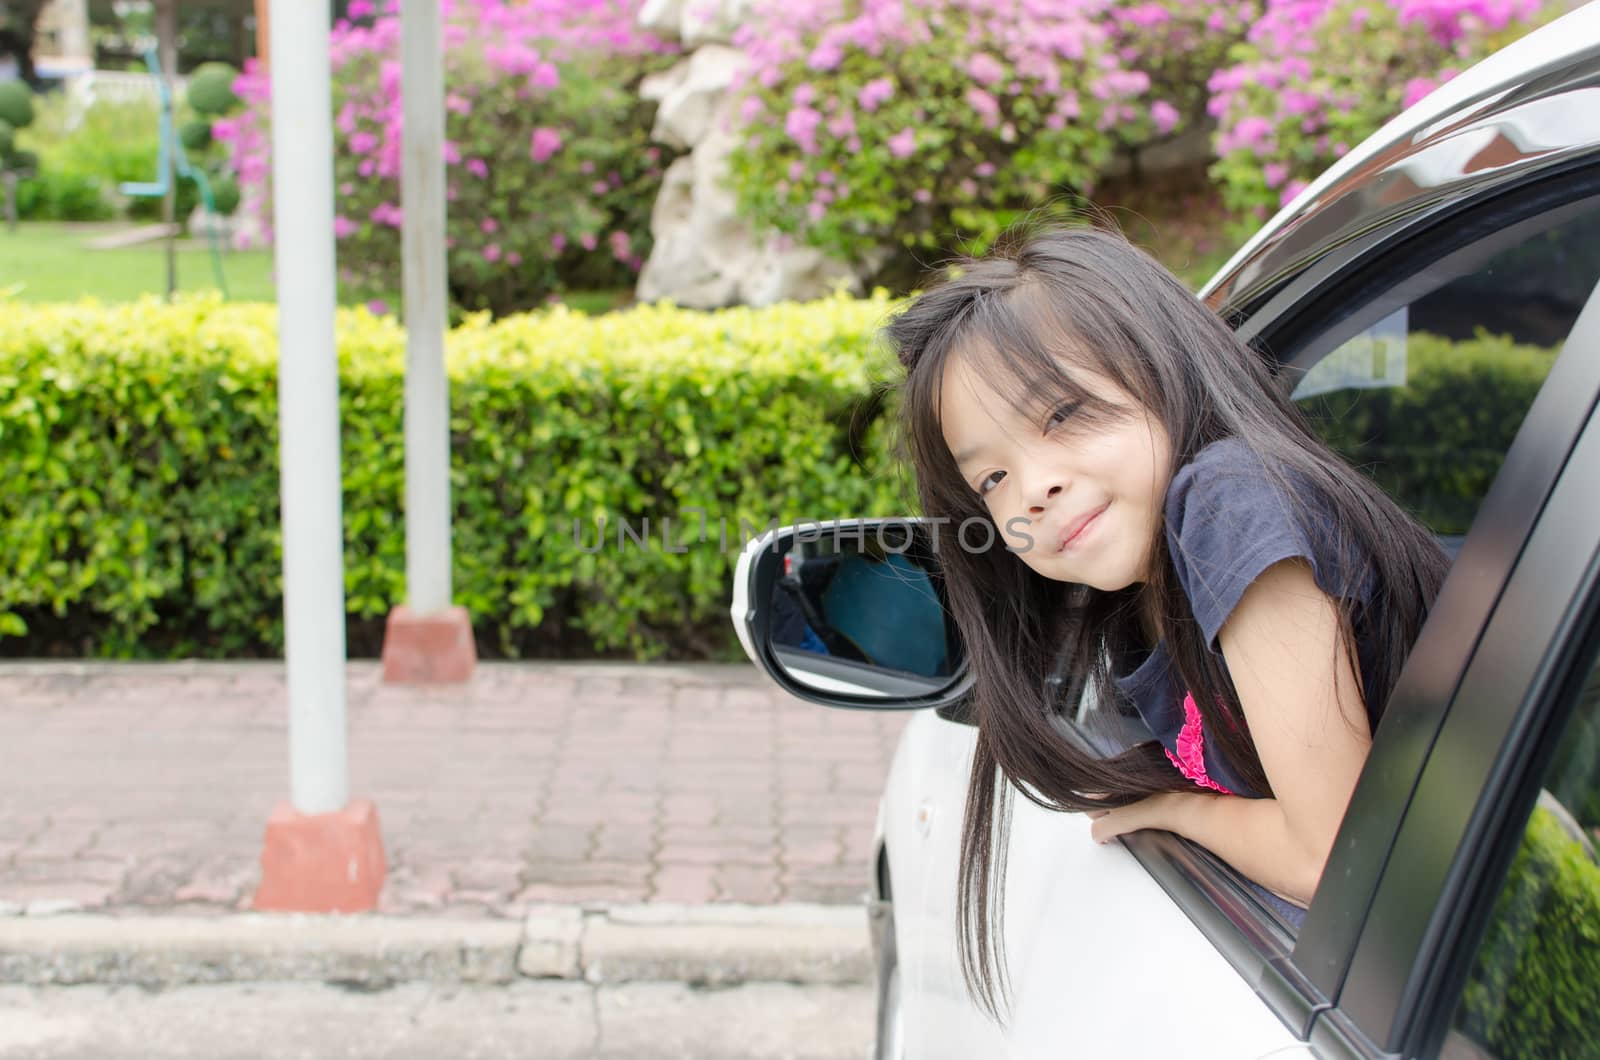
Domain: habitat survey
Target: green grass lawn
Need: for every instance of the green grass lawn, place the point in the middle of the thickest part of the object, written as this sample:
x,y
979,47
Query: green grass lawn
x,y
45,262
52,263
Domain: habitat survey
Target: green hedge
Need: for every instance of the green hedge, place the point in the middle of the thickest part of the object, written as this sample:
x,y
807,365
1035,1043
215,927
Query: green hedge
x,y
1437,442
1535,987
139,516
139,512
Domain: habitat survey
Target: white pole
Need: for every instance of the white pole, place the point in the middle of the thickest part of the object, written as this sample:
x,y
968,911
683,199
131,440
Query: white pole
x,y
427,413
308,403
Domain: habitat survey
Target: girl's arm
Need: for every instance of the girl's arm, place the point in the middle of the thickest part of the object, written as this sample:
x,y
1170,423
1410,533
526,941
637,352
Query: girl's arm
x,y
1288,661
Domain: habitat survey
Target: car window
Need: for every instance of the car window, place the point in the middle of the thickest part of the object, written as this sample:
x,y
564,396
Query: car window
x,y
1428,395
1534,987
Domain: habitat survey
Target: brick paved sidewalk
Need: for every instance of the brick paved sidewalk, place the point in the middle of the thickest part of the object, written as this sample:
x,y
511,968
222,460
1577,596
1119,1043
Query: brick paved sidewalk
x,y
147,786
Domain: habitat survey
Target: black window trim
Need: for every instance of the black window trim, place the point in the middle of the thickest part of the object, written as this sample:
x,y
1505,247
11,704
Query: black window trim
x,y
1299,977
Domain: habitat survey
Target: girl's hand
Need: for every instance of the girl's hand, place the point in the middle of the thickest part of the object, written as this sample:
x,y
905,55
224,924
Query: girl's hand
x,y
1156,811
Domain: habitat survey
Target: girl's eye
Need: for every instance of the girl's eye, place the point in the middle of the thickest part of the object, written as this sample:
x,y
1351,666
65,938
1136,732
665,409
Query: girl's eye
x,y
1062,413
990,481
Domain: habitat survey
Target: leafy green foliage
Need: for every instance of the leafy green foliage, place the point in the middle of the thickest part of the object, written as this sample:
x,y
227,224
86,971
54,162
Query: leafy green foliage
x,y
195,135
1535,987
140,515
16,104
1437,443
210,90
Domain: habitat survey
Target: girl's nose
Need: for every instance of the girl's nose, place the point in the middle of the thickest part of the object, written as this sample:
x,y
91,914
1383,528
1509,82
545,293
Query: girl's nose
x,y
1047,495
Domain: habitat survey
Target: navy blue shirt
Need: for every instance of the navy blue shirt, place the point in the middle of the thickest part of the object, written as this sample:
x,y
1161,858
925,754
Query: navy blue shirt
x,y
1227,521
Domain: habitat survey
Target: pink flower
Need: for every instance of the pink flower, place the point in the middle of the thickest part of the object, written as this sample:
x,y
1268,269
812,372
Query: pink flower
x,y
751,109
985,69
801,125
478,167
363,142
513,258
343,226
558,242
1276,173
816,211
804,94
621,245
545,142
491,253
1290,190
987,106
359,9
903,143
797,169
1415,89
1165,115
489,226
589,242
875,93
984,169
378,307
922,195
546,76
825,57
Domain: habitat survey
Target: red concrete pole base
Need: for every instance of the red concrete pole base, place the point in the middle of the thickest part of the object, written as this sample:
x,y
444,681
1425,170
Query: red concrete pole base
x,y
428,649
321,862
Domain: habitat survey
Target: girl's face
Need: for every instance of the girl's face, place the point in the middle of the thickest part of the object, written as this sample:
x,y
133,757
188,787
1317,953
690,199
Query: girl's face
x,y
1078,502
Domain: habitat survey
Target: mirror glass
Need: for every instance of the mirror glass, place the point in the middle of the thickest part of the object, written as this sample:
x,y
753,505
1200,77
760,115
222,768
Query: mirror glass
x,y
858,610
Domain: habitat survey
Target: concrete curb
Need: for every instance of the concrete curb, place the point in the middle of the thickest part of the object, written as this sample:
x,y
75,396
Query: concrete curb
x,y
717,944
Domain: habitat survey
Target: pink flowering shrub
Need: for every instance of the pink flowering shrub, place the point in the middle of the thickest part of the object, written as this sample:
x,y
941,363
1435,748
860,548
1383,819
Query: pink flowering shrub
x,y
1316,77
550,174
923,123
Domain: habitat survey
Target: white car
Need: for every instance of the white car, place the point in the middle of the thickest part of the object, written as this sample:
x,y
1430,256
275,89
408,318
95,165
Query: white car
x,y
1432,302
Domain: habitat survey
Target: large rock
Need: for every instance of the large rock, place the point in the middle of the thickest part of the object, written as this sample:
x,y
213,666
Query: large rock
x,y
707,257
693,22
689,94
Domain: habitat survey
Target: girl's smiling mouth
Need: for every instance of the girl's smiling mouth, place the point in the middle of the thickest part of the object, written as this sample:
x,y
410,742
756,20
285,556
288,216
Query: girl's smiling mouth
x,y
1074,533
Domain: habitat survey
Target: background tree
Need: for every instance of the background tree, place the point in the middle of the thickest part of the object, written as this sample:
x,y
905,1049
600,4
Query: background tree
x,y
17,20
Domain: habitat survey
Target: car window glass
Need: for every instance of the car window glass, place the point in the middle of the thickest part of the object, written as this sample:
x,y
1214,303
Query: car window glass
x,y
1534,987
1428,397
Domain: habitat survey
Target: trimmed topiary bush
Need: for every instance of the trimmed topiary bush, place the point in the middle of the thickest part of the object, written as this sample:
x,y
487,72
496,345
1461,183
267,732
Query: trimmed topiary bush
x,y
225,194
16,104
195,135
140,515
210,90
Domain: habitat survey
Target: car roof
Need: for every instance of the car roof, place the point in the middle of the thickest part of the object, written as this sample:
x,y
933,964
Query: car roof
x,y
1532,105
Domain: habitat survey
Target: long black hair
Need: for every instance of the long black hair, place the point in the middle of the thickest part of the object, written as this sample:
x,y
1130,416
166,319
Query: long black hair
x,y
1043,300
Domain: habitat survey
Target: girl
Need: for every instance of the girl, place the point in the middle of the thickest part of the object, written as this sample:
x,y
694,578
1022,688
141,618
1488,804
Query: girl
x,y
1171,536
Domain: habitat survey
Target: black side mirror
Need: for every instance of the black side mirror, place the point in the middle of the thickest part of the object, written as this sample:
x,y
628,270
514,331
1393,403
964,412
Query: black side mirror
x,y
851,614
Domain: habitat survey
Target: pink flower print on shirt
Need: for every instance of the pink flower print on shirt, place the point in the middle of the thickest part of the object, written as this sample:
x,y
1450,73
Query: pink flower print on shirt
x,y
1191,758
